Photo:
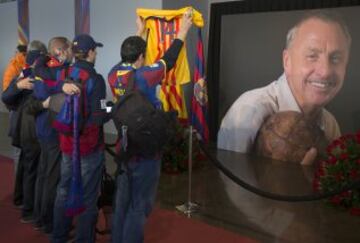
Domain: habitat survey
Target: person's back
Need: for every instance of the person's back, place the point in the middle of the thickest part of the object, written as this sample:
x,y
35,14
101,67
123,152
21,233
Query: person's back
x,y
146,79
93,91
83,153
141,171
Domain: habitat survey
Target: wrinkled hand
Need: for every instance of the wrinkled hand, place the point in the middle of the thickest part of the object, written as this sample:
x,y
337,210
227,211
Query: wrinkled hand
x,y
25,83
309,157
70,89
140,26
46,103
186,23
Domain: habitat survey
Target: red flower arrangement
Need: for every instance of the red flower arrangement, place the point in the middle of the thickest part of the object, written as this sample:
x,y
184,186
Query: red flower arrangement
x,y
176,153
339,169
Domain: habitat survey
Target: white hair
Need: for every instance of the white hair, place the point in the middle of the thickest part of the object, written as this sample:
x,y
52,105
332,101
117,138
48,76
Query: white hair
x,y
324,15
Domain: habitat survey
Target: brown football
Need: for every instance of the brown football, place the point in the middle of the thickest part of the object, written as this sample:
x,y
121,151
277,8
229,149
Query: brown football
x,y
287,136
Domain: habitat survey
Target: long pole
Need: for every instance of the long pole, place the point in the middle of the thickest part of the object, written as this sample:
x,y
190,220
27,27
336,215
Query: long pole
x,y
190,164
189,207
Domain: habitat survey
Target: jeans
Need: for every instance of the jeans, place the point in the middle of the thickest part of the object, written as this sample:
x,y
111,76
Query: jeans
x,y
135,196
91,172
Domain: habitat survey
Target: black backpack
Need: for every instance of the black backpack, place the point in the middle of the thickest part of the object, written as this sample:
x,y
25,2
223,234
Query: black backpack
x,y
143,129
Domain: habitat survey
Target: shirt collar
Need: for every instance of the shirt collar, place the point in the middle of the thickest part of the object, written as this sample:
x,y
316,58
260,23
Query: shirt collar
x,y
286,99
128,66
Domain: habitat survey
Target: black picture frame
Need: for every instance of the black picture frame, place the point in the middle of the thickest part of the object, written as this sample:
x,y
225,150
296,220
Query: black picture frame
x,y
218,10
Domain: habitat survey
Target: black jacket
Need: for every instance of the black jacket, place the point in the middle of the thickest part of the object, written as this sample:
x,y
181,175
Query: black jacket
x,y
22,124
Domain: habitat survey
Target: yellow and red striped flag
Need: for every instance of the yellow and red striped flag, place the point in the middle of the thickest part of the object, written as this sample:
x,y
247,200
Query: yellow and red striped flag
x,y
162,26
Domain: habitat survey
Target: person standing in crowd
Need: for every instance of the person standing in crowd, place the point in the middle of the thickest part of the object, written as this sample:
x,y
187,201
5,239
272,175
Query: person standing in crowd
x,y
15,66
12,71
136,184
93,91
18,98
48,174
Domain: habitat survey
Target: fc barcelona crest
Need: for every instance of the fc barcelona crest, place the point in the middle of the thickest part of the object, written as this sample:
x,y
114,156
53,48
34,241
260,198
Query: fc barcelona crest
x,y
200,92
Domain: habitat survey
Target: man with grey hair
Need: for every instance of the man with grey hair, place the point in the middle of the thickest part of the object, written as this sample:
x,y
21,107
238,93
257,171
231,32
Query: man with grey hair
x,y
60,48
37,45
314,60
48,174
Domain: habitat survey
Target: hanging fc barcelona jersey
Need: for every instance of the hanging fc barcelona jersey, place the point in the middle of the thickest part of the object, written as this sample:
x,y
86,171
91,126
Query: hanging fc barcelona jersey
x,y
162,27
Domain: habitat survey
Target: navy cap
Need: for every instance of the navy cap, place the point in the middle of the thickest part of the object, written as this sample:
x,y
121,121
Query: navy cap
x,y
84,43
31,56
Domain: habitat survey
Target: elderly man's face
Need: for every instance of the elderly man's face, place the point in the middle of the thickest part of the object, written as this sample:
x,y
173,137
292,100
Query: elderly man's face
x,y
315,63
64,53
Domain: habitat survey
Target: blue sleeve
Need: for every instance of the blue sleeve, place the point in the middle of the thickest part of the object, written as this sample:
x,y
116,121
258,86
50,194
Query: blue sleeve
x,y
57,88
46,72
40,90
50,73
43,71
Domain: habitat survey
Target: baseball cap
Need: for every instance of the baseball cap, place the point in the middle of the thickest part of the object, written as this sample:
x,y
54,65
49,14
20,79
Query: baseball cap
x,y
84,43
32,56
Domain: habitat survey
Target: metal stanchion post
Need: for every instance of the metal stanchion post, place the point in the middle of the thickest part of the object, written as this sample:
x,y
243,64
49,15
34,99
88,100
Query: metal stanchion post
x,y
189,207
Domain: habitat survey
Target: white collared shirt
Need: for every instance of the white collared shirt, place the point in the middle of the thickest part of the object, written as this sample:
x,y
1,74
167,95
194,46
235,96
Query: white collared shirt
x,y
241,123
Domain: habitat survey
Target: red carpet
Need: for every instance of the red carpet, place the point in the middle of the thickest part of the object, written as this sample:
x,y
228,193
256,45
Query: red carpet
x,y
163,226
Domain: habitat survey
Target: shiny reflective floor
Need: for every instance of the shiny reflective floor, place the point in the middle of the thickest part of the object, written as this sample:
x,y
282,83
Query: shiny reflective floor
x,y
224,204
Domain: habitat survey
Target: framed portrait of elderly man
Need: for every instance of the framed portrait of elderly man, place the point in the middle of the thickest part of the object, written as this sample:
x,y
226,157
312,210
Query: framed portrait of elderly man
x,y
285,68
247,50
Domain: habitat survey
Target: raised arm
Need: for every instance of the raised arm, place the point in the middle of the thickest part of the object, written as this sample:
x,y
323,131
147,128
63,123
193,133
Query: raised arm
x,y
172,53
140,26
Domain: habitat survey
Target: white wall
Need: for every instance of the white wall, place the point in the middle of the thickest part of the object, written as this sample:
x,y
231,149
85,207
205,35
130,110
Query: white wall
x,y
8,37
111,21
50,18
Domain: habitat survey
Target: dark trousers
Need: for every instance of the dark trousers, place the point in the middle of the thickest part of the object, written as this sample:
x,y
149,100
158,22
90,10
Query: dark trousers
x,y
30,161
18,188
39,185
51,180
